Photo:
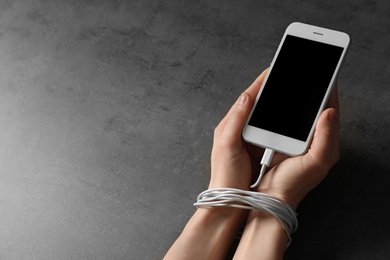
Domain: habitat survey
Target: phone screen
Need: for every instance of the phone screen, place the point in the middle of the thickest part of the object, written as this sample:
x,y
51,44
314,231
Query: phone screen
x,y
296,87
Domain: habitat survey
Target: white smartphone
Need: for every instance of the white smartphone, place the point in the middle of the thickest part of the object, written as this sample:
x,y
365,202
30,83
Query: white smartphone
x,y
296,88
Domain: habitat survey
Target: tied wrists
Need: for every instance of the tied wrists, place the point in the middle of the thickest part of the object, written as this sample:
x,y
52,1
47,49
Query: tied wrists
x,y
229,197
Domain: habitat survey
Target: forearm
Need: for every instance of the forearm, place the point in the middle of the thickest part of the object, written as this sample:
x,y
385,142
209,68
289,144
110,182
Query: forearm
x,y
263,238
208,235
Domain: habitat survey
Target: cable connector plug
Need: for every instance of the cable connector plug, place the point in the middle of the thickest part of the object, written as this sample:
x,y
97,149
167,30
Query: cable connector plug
x,y
265,162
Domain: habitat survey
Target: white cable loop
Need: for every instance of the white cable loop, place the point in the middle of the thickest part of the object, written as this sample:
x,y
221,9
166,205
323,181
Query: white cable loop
x,y
229,197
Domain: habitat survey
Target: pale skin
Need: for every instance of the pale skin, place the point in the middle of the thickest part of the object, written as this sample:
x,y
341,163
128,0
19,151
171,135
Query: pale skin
x,y
234,164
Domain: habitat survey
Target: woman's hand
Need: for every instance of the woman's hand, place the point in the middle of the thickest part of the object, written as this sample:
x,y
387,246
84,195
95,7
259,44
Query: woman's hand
x,y
292,178
211,230
234,164
230,161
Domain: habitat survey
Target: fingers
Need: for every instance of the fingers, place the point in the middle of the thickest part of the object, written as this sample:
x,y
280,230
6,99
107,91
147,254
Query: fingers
x,y
325,145
324,150
334,99
252,90
228,132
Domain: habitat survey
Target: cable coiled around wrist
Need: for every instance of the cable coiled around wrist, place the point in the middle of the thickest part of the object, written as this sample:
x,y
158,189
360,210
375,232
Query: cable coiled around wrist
x,y
229,197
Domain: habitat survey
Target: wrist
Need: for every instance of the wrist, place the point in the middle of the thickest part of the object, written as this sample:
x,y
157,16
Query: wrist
x,y
224,217
208,234
216,228
257,219
263,235
263,223
292,201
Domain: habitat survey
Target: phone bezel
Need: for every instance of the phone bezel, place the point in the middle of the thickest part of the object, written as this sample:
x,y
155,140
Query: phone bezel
x,y
284,144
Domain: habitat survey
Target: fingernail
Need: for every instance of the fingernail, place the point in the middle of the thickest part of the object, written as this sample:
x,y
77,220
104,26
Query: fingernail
x,y
243,98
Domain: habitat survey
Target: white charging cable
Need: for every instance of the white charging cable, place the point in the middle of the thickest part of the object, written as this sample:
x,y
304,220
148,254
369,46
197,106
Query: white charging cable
x,y
229,197
265,162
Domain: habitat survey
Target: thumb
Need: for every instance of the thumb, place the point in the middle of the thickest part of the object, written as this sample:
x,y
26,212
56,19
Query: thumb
x,y
325,144
235,120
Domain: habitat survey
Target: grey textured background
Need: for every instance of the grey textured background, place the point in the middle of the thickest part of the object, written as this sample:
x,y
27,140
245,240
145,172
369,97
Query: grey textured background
x,y
107,111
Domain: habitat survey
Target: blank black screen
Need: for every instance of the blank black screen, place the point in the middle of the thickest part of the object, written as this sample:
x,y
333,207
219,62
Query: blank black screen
x,y
296,87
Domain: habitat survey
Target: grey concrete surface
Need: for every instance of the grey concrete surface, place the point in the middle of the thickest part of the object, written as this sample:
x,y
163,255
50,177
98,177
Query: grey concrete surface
x,y
107,111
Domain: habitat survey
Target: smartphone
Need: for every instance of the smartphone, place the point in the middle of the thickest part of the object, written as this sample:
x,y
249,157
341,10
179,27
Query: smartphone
x,y
296,88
